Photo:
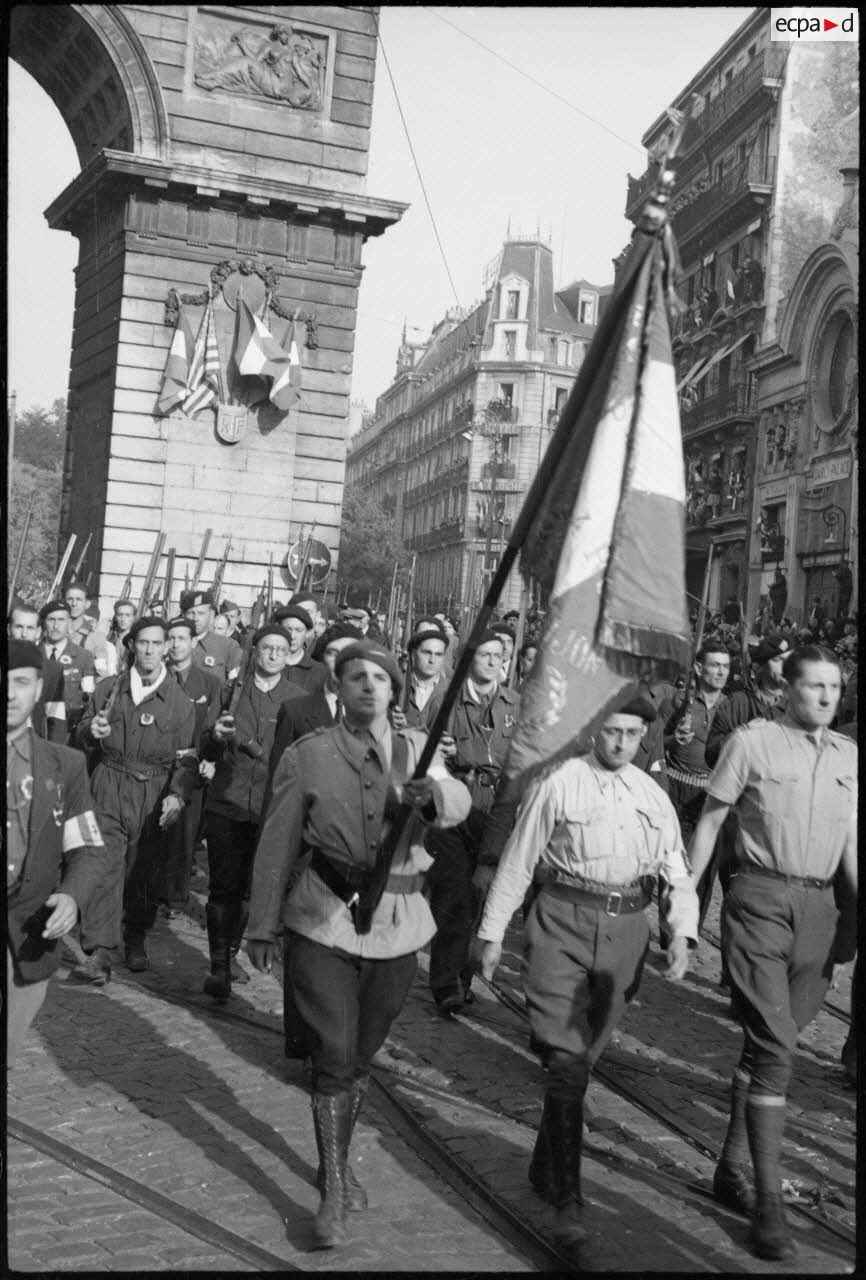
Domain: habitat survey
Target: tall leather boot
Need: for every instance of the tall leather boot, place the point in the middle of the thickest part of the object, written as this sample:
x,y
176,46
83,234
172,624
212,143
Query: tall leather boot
x,y
541,1170
242,914
219,983
565,1138
765,1123
356,1196
332,1120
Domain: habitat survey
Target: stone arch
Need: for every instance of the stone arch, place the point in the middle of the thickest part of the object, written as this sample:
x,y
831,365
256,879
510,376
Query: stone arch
x,y
823,284
93,66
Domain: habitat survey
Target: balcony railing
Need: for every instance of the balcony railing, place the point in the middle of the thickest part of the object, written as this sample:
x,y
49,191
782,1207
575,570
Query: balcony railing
x,y
498,471
756,177
500,411
733,402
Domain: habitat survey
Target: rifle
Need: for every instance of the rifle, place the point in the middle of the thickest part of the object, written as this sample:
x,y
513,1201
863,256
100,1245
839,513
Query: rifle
x,y
186,578
169,581
76,568
392,601
150,576
269,597
216,588
378,600
61,570
13,581
126,589
205,542
304,565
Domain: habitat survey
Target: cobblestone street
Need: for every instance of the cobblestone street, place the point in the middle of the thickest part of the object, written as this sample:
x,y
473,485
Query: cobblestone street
x,y
147,1079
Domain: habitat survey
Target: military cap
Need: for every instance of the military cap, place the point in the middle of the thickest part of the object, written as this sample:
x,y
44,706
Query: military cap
x,y
228,605
638,706
23,653
189,599
370,651
428,633
293,611
770,647
52,606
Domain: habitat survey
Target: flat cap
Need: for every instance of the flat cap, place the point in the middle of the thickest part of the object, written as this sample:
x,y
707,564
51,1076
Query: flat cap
x,y
370,651
189,599
23,653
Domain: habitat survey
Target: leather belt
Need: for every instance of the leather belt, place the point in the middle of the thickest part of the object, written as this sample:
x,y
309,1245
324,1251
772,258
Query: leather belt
x,y
141,772
681,775
348,882
613,901
805,882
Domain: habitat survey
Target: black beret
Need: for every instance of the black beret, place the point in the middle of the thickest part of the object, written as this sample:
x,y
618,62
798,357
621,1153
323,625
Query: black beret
x,y
641,706
293,611
487,636
52,606
189,599
141,624
428,633
370,651
23,653
228,605
336,631
425,623
770,647
270,629
503,629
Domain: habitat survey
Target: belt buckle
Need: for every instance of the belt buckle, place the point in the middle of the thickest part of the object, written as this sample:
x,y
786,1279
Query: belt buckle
x,y
608,908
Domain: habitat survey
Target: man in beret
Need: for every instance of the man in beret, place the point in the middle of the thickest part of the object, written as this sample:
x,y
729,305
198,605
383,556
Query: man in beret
x,y
141,726
239,744
301,669
352,959
55,855
219,655
506,635
479,735
592,836
79,669
232,611
425,682
307,601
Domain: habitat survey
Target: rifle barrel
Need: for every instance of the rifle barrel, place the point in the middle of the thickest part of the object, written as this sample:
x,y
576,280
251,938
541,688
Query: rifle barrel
x,y
13,581
79,561
61,570
152,568
205,543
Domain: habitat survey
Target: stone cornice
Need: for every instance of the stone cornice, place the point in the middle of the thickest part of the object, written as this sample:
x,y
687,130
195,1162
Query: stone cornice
x,y
371,215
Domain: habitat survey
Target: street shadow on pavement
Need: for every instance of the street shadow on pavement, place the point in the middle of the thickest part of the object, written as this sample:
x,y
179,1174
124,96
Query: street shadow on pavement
x,y
93,1037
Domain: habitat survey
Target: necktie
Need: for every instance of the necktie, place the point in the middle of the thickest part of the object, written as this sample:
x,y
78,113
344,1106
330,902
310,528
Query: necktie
x,y
338,711
54,653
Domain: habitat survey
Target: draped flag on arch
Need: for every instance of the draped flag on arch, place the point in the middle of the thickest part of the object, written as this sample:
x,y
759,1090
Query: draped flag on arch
x,y
205,379
176,375
606,531
258,354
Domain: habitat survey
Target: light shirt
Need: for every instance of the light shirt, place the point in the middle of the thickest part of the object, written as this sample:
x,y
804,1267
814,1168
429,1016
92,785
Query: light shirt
x,y
422,690
601,827
795,792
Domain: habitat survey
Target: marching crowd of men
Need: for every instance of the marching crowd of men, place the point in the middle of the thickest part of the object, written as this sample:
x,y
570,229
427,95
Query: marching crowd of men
x,y
288,752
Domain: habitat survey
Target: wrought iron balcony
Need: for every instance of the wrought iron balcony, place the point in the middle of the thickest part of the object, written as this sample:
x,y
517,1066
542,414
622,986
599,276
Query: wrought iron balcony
x,y
750,184
498,471
735,401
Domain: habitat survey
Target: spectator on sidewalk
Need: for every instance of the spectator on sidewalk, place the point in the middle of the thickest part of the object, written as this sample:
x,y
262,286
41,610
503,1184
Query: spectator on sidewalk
x,y
351,960
592,836
793,784
55,855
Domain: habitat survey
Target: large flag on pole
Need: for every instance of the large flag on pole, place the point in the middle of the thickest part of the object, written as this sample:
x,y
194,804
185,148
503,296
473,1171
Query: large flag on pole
x,y
176,375
607,537
258,354
205,380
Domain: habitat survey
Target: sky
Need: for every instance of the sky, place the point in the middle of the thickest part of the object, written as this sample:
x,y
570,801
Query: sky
x,y
541,145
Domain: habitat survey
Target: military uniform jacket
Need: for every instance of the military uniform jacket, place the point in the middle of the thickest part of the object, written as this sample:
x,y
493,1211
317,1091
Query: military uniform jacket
x,y
219,655
330,794
482,736
65,852
158,734
79,677
237,789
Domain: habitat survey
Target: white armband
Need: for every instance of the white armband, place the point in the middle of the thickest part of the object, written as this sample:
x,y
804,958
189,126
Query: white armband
x,y
81,830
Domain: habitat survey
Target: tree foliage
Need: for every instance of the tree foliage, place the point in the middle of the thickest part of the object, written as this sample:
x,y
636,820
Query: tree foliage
x,y
370,543
37,477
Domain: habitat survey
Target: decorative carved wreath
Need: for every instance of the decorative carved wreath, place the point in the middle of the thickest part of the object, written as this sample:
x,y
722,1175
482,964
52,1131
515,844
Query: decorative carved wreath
x,y
246,266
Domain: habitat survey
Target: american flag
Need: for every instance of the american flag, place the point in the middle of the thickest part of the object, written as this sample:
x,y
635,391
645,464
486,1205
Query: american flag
x,y
205,380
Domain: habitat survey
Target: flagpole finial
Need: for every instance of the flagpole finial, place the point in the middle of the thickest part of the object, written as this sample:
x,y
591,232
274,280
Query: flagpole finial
x,y
655,213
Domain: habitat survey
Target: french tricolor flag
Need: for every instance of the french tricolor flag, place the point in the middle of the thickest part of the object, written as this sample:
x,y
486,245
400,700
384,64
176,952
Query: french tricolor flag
x,y
258,354
606,536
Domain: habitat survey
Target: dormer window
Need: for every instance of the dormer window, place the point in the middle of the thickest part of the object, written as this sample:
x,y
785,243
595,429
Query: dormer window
x,y
512,304
587,310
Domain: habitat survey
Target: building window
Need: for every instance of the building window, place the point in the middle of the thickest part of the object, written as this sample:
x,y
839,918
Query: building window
x,y
720,172
562,354
561,395
506,393
512,304
510,344
587,311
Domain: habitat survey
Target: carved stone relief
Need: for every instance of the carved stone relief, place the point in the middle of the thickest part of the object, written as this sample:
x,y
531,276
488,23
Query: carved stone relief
x,y
282,63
